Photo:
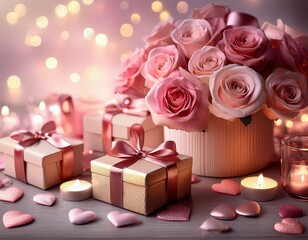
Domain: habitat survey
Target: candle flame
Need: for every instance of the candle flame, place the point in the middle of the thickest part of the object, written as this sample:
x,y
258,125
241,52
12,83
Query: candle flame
x,y
260,180
77,183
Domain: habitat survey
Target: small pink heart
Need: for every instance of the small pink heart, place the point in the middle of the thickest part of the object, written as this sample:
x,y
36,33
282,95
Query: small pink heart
x,y
119,219
227,186
175,213
289,226
46,199
214,225
77,216
290,211
195,179
5,182
16,218
11,194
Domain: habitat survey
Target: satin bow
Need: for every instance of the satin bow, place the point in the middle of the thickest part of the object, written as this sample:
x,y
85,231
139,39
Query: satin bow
x,y
164,155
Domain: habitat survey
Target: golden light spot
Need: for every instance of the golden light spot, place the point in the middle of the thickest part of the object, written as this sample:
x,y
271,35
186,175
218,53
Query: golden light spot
x,y
126,30
101,40
35,41
157,6
135,18
182,7
304,118
73,7
164,15
289,124
20,9
12,18
65,35
88,33
61,10
13,82
124,56
124,5
51,62
75,77
42,22
87,2
5,111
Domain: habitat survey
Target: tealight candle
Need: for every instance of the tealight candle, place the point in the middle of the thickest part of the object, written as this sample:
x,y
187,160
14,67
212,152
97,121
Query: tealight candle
x,y
76,190
259,188
297,181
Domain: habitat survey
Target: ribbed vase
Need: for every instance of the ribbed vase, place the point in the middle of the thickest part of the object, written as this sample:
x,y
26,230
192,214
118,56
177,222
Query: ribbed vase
x,y
227,149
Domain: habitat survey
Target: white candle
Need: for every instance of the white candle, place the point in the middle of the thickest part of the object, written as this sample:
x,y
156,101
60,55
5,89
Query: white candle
x,y
297,181
76,190
259,188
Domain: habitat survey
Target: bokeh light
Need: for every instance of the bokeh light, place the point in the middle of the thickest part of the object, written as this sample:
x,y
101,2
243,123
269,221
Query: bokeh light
x,y
65,35
13,82
20,9
87,2
75,77
124,5
101,40
135,18
73,7
164,15
157,6
51,62
5,111
88,33
289,124
126,30
182,7
12,18
61,10
32,39
42,22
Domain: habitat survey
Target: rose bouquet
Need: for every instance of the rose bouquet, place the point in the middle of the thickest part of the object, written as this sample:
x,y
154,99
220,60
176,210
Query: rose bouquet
x,y
218,62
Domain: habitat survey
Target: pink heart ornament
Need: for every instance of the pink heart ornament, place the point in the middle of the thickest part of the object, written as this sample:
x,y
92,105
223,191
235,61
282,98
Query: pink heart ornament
x,y
11,194
224,211
214,225
227,186
77,216
16,218
248,209
290,211
289,226
119,219
175,213
5,182
46,199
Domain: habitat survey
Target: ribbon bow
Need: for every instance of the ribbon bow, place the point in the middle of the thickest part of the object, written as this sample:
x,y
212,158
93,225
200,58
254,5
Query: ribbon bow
x,y
165,155
136,107
27,138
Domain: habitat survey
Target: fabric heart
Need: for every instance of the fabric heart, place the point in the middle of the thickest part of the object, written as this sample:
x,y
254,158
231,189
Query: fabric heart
x,y
290,211
195,179
5,182
119,219
175,213
224,211
16,218
46,199
214,225
227,186
248,209
289,226
77,216
11,194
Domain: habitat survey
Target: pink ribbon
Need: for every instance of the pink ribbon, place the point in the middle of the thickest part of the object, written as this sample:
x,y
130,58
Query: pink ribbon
x,y
130,106
164,155
26,139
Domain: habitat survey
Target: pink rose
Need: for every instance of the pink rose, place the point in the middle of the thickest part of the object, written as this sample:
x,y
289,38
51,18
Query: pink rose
x,y
290,52
191,35
130,81
179,102
205,61
161,63
211,11
237,92
160,35
287,94
247,45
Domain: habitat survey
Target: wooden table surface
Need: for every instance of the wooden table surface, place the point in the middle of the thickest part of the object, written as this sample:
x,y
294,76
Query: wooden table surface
x,y
52,222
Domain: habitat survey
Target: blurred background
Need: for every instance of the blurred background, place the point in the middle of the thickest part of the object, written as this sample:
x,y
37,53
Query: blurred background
x,y
77,46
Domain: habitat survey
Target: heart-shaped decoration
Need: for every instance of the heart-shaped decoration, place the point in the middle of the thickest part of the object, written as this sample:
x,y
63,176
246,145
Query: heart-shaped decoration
x,y
46,199
290,211
119,219
175,213
195,179
224,211
289,226
11,194
16,218
227,186
248,209
214,225
5,182
77,216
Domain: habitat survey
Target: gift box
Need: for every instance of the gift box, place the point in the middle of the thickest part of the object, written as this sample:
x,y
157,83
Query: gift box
x,y
44,164
145,184
93,130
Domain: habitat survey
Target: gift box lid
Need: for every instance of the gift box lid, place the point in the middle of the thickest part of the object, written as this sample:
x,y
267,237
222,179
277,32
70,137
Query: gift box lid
x,y
40,153
121,122
142,172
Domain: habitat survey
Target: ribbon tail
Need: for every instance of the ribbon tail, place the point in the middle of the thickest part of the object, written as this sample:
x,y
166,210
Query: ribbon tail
x,y
116,186
20,166
172,183
67,162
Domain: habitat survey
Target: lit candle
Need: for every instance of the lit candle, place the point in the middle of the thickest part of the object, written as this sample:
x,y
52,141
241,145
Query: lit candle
x,y
76,190
297,181
259,188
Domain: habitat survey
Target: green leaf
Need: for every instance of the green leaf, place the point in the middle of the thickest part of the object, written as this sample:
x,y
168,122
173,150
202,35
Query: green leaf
x,y
246,120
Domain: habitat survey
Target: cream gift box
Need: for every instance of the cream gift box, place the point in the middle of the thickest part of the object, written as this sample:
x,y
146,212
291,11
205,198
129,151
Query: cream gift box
x,y
144,183
43,162
93,130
